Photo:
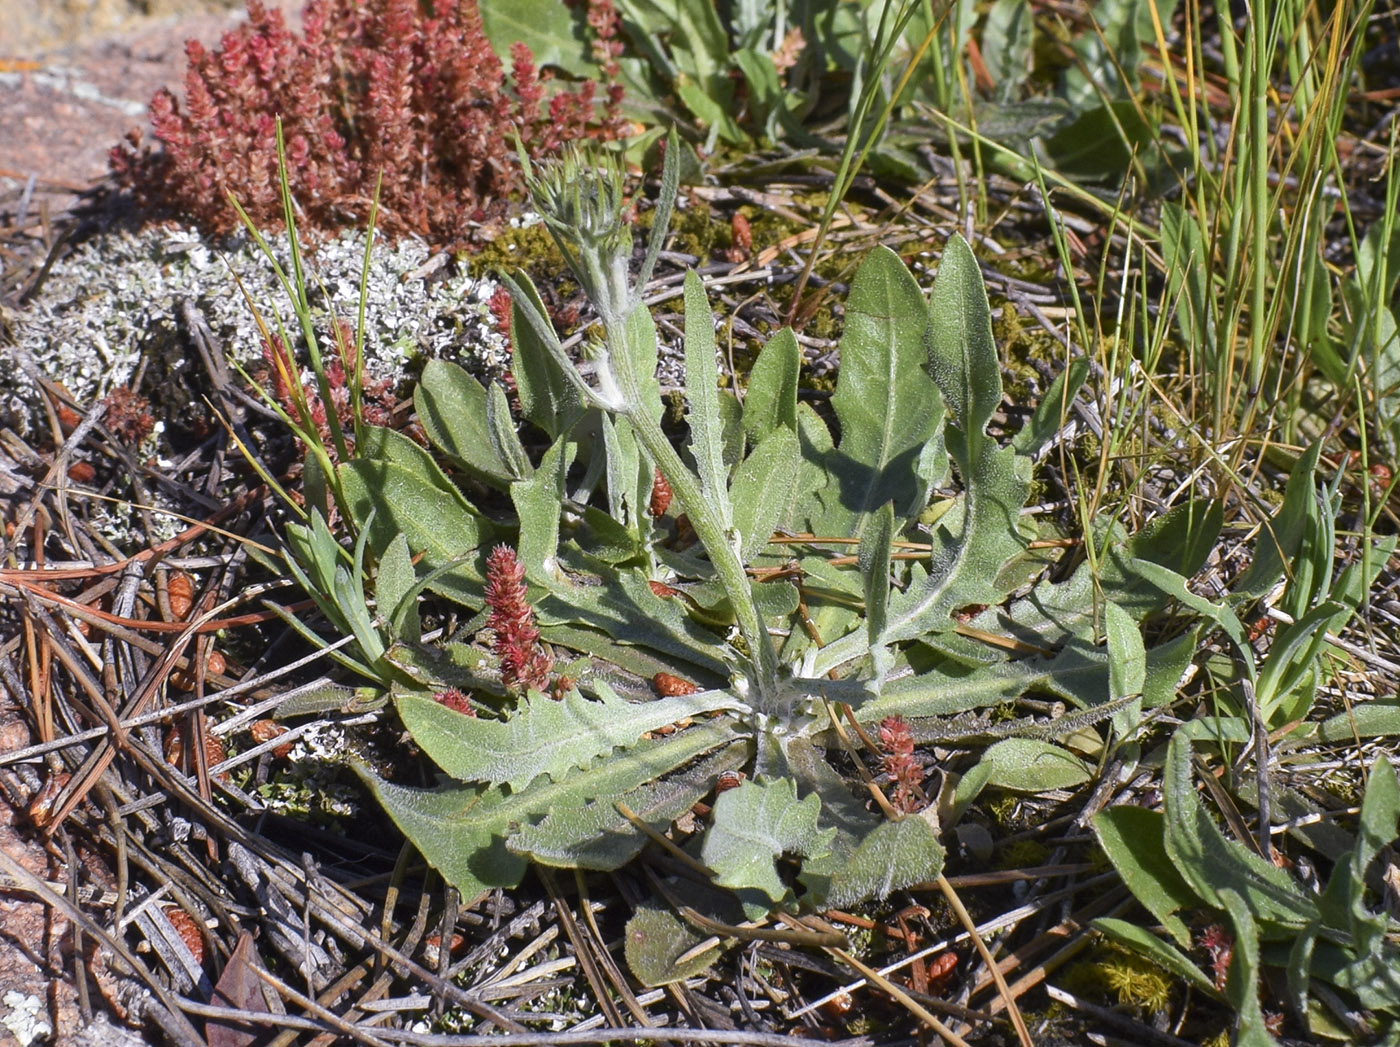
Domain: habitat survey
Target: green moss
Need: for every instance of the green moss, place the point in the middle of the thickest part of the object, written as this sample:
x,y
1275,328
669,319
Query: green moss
x,y
1127,978
1002,807
529,248
699,232
1021,854
1022,347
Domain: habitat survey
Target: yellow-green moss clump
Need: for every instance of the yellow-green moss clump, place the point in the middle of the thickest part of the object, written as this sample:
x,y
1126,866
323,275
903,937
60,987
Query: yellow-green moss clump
x,y
526,247
1022,347
1129,979
1021,854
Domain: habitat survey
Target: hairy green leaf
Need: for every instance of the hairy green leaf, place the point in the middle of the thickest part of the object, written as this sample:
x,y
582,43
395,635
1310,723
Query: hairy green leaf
x,y
537,501
771,397
962,354
756,824
1030,766
504,440
552,31
451,407
1134,840
442,526
892,856
876,547
548,397
543,736
702,391
394,585
1211,864
762,489
887,406
597,835
1242,988
462,829
1156,950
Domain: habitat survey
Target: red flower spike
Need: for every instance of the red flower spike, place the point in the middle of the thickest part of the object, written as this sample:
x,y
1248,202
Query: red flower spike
x,y
660,495
455,700
524,661
899,763
1219,944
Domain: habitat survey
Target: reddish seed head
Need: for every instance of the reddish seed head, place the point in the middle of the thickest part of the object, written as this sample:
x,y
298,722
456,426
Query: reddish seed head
x,y
455,700
524,661
899,763
668,686
1219,944
660,495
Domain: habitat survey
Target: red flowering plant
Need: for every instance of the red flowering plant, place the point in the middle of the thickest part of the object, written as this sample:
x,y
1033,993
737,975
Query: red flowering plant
x,y
409,91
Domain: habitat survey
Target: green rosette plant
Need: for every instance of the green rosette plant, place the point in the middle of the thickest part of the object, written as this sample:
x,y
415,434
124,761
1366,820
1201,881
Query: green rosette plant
x,y
798,656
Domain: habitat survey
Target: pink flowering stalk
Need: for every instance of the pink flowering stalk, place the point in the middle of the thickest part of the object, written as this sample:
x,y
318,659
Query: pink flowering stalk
x,y
455,700
525,663
899,763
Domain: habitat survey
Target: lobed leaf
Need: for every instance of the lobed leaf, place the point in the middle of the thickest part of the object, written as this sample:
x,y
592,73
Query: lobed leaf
x,y
756,824
598,836
462,829
892,856
543,736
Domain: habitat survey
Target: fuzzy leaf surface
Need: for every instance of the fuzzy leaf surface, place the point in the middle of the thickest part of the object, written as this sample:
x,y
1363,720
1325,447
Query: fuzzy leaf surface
x,y
762,488
1133,838
394,591
893,855
888,407
1211,864
1161,953
547,396
1031,766
702,392
551,31
435,522
462,829
962,355
544,736
621,604
755,825
771,397
538,500
451,406
597,836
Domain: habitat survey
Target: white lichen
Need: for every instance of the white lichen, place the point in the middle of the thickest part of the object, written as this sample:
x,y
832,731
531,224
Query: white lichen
x,y
118,298
24,1019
